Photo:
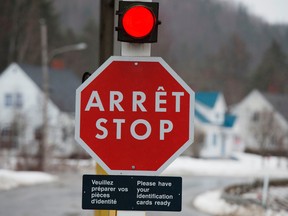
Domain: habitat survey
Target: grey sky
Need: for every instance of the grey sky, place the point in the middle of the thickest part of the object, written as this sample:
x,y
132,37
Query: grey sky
x,y
273,11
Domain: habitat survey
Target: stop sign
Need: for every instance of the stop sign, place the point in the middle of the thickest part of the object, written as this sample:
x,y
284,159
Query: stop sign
x,y
134,115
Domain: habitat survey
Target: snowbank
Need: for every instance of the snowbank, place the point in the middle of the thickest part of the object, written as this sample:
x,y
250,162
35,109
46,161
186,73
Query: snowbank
x,y
11,179
245,165
211,203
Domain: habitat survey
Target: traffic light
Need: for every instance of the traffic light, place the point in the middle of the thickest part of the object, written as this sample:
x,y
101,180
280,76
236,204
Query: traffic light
x,y
138,21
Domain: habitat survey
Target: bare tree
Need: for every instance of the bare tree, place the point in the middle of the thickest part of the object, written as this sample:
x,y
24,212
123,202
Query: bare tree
x,y
198,143
195,149
268,133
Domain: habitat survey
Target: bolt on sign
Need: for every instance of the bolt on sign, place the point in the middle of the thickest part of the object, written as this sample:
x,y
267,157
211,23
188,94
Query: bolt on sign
x,y
134,115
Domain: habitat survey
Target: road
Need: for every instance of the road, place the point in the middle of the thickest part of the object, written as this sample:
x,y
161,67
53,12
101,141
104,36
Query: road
x,y
63,198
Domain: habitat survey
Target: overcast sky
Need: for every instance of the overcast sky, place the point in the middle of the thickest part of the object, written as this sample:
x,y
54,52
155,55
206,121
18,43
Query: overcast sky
x,y
274,11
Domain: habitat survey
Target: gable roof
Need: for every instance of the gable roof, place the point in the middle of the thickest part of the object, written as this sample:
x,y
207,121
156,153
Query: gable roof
x,y
279,102
62,85
207,98
229,120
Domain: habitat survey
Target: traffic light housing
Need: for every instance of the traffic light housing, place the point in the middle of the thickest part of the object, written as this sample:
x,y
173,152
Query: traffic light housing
x,y
138,21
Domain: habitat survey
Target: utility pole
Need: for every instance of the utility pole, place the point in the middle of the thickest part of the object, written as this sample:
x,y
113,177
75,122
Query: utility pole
x,y
46,59
107,14
45,83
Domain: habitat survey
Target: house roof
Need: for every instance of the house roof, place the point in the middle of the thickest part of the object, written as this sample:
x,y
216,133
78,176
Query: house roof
x,y
63,84
229,120
207,98
279,102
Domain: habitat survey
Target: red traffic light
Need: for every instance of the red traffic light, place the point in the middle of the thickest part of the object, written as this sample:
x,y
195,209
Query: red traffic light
x,y
138,22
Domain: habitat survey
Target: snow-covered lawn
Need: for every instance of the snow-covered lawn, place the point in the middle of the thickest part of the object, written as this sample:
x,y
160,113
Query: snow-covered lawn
x,y
244,165
211,203
11,179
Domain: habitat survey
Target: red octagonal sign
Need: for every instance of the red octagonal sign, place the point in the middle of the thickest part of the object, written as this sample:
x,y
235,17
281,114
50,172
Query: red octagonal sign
x,y
134,115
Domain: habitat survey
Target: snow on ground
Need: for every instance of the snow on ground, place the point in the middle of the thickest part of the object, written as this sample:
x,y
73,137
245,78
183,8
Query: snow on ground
x,y
243,165
211,203
11,179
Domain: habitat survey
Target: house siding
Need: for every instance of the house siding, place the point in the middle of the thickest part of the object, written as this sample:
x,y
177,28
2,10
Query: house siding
x,y
14,81
213,121
248,111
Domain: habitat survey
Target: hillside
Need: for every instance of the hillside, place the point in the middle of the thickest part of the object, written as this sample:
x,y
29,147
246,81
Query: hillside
x,y
200,27
196,37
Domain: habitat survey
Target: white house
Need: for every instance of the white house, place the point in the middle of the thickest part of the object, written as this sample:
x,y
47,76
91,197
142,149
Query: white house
x,y
21,108
218,126
263,117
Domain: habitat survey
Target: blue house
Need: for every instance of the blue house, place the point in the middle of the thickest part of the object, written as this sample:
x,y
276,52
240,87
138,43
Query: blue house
x,y
216,124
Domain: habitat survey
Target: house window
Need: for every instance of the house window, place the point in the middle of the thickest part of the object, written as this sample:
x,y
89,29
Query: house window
x,y
256,116
65,134
8,100
19,100
14,100
214,140
38,133
7,138
6,134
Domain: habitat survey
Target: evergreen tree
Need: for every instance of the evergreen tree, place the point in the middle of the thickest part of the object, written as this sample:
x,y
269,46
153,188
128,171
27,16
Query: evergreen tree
x,y
272,73
228,68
